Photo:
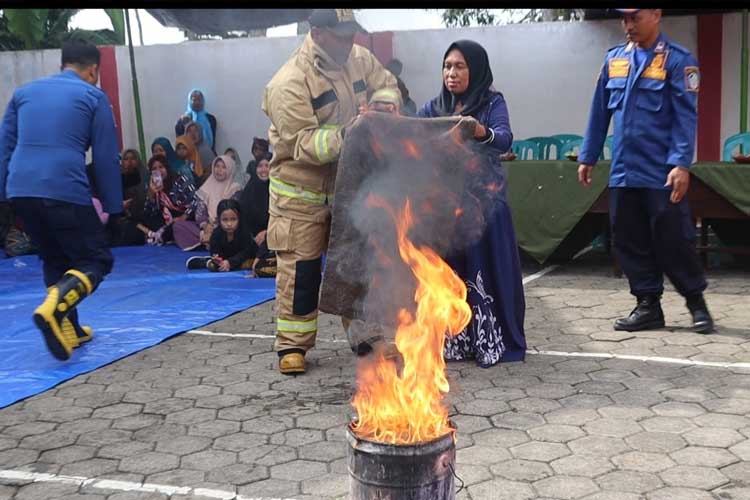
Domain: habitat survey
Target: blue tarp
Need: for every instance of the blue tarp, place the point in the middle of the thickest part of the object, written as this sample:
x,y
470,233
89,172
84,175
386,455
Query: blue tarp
x,y
149,297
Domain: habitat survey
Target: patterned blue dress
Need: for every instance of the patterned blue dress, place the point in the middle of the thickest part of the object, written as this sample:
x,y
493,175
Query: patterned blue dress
x,y
491,267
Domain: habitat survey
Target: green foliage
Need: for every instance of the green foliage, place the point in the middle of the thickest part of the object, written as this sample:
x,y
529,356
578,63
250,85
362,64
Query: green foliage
x,y
33,29
117,16
454,18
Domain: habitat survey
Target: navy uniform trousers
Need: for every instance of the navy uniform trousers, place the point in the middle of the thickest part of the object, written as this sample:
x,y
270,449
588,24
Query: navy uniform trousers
x,y
68,236
652,237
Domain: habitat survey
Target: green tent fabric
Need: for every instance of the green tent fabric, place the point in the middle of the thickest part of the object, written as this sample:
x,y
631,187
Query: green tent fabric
x,y
730,180
547,201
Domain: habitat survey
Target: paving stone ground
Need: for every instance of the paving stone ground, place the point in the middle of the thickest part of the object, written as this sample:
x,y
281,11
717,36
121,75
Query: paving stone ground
x,y
211,417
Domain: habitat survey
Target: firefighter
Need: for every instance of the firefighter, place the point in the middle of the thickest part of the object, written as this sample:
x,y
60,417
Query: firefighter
x,y
311,101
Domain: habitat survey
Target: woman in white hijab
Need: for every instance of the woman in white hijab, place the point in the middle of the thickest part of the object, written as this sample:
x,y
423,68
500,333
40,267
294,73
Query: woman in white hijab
x,y
220,185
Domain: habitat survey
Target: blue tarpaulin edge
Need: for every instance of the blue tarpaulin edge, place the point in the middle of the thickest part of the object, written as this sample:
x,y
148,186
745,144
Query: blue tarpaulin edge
x,y
148,298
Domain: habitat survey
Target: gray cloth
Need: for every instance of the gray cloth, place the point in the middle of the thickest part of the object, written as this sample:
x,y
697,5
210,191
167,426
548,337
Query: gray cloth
x,y
440,168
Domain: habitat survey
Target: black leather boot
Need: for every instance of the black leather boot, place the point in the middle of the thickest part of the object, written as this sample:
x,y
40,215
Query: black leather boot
x,y
647,315
702,320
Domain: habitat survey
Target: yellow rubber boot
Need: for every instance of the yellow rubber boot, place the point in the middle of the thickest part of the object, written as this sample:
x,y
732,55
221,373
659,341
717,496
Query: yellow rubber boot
x,y
82,333
292,363
49,316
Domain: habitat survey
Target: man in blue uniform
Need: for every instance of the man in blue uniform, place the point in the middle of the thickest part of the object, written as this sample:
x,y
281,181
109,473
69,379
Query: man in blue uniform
x,y
650,86
48,126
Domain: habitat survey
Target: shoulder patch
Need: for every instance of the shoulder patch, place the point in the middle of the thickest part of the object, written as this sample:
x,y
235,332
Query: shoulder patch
x,y
692,78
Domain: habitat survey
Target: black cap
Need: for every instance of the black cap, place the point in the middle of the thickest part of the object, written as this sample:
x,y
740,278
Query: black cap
x,y
627,11
341,21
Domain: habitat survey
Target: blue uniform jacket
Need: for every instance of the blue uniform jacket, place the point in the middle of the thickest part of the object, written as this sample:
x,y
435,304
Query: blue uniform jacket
x,y
655,114
47,128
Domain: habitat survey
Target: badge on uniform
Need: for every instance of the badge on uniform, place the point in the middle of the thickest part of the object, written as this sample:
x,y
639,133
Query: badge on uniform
x,y
692,78
618,67
656,70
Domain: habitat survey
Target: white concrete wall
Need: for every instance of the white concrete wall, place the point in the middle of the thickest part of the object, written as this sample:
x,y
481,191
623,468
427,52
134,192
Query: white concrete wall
x,y
231,73
17,68
730,76
546,71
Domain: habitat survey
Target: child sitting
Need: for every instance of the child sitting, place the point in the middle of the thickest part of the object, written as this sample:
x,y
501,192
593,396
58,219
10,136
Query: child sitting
x,y
231,245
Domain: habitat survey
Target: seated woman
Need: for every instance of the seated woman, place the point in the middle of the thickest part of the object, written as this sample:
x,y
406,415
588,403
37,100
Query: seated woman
x,y
259,149
163,147
190,234
169,198
490,267
232,245
190,161
254,202
133,174
196,112
207,154
240,177
123,231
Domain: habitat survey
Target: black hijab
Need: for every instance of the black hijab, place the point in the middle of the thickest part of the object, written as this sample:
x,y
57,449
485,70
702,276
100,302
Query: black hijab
x,y
254,201
479,91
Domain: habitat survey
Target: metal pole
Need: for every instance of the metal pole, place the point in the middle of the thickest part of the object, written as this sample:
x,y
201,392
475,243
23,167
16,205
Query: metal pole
x,y
743,76
140,27
136,94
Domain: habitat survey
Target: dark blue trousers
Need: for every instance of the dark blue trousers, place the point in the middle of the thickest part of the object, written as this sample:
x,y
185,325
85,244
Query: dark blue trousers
x,y
652,237
68,236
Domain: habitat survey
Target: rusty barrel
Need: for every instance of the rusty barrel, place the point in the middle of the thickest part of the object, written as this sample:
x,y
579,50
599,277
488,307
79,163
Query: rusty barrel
x,y
422,471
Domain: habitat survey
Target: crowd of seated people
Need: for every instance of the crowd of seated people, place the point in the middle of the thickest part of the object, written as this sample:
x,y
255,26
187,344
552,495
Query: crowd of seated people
x,y
187,195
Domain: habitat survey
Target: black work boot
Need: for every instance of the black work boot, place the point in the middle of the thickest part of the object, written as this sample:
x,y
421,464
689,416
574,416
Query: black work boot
x,y
647,315
702,320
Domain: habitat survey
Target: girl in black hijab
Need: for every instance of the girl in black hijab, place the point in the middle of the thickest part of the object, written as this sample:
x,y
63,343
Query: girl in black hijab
x,y
491,267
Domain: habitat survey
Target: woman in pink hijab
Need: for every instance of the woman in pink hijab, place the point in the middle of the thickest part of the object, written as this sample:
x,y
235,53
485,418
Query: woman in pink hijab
x,y
189,234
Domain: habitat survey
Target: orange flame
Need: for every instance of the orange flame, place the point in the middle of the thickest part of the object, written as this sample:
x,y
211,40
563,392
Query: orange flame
x,y
407,407
412,149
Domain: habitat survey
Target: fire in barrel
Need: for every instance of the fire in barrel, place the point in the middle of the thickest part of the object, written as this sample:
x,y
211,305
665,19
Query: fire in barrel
x,y
402,443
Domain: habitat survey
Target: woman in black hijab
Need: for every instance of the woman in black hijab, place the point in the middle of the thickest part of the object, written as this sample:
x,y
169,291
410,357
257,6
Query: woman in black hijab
x,y
491,267
254,203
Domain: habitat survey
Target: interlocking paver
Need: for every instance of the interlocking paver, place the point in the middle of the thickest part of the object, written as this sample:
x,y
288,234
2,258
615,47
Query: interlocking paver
x,y
656,442
511,490
149,463
501,437
702,478
208,459
599,446
629,481
643,461
582,465
517,420
722,438
565,487
704,456
622,425
92,467
613,427
540,451
556,433
522,470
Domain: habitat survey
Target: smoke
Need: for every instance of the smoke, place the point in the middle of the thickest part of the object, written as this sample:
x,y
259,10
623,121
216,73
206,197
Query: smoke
x,y
451,183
